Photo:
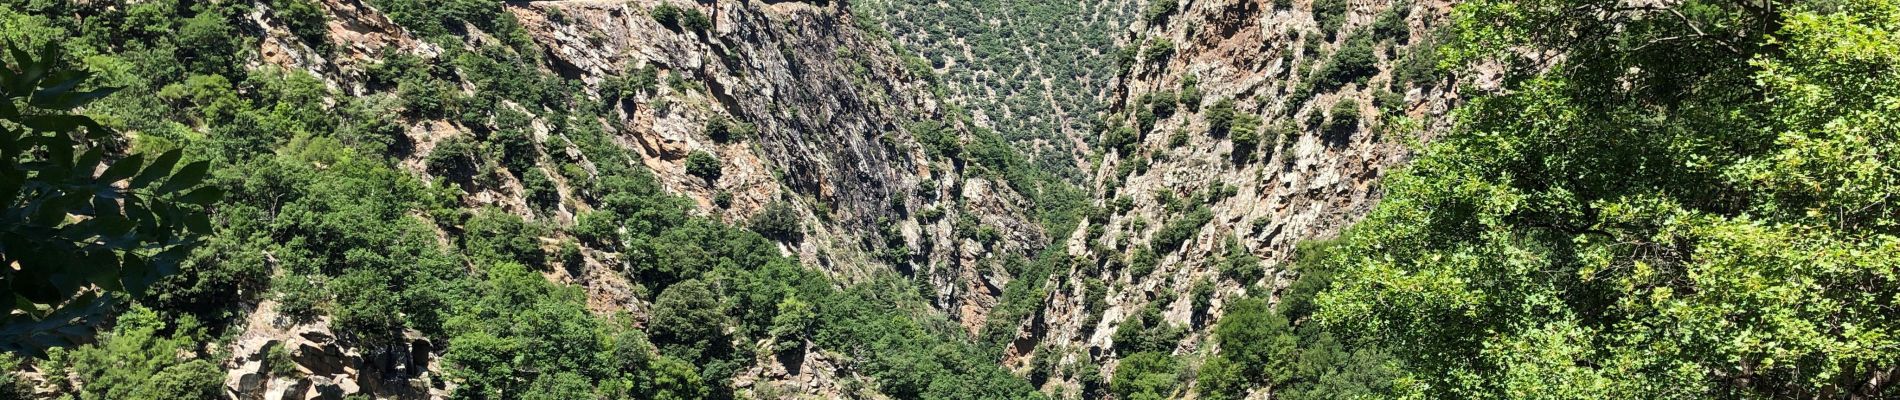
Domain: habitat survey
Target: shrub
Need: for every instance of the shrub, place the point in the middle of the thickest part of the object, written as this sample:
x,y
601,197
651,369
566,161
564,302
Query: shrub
x,y
451,157
1122,139
1345,117
1178,231
1419,66
1240,265
1158,50
1201,296
1220,117
687,318
539,189
793,324
726,130
779,221
1391,24
1330,14
1191,93
495,236
1246,134
1257,340
1145,375
306,20
299,297
704,165
695,21
1388,101
1354,62
1220,379
667,14
1159,10
1163,103
1142,263
937,139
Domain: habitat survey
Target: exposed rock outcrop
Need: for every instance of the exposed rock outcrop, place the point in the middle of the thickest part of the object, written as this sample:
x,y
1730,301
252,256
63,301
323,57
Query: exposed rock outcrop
x,y
1308,178
827,110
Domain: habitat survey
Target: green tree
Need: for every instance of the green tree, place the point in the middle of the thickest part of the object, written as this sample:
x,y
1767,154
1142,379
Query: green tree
x,y
778,221
1690,204
79,214
1145,376
497,236
687,320
704,165
137,361
1257,340
793,324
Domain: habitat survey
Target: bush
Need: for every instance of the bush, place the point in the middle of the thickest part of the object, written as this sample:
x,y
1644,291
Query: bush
x,y
1240,265
687,318
1145,376
1201,296
1191,93
704,165
1391,24
1123,139
1178,231
1220,379
306,20
1345,117
1158,50
1353,63
695,21
496,236
1246,135
1330,14
451,157
779,221
1142,263
725,130
1220,117
1159,10
1419,66
1147,330
938,139
300,297
793,323
667,14
1257,340
1163,103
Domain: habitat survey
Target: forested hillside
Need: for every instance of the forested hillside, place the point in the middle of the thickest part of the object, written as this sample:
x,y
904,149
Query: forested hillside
x,y
1033,71
897,199
425,199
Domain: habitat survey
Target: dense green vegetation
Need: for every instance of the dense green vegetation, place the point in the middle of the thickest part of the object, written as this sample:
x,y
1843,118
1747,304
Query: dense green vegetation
x,y
1693,202
72,220
320,218
1016,44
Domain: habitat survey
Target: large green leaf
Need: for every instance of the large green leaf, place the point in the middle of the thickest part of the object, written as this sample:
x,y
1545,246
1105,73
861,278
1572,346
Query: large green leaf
x,y
160,167
122,169
189,176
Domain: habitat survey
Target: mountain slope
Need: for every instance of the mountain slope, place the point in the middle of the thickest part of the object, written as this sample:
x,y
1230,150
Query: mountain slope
x,y
418,188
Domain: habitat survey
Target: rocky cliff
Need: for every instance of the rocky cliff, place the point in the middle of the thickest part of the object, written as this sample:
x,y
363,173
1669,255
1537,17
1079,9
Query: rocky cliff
x,y
1240,129
798,106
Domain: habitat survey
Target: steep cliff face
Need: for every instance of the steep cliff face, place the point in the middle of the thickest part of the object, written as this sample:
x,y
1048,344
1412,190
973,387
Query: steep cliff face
x,y
798,107
1240,129
1035,71
829,106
